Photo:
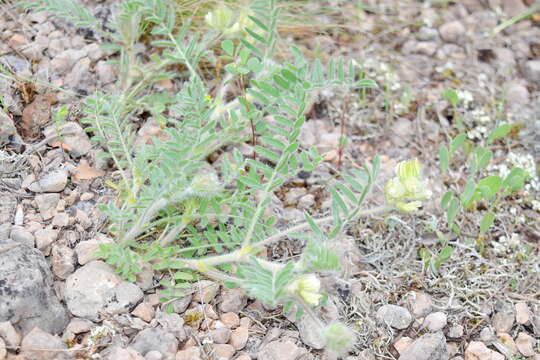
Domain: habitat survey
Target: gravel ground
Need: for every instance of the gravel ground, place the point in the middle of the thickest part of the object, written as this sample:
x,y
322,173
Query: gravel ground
x,y
58,301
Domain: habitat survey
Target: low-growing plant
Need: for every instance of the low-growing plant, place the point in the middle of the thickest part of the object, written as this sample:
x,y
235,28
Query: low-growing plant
x,y
481,190
188,219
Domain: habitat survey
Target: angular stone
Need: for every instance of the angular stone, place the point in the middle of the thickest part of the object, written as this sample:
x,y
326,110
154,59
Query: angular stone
x,y
95,290
513,7
179,306
230,319
532,71
242,356
73,136
420,304
523,313
86,250
8,131
94,51
427,347
452,31
487,334
456,331
220,335
144,311
9,334
233,300
477,350
435,321
310,333
63,261
517,96
223,351
525,344
79,77
402,344
44,240
22,236
26,289
64,61
239,337
205,291
106,72
173,324
155,339
395,316
3,350
503,320
153,355
119,353
79,326
49,346
191,353
46,204
507,341
280,350
54,181
60,220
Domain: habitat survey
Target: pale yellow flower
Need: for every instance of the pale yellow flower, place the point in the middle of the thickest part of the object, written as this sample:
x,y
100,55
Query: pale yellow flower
x,y
394,189
407,189
308,287
408,169
220,19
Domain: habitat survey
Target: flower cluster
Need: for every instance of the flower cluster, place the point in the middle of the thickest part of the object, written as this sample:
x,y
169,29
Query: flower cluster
x,y
308,288
407,190
223,20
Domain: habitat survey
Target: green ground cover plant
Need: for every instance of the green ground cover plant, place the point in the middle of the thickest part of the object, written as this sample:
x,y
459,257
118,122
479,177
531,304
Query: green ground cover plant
x,y
191,220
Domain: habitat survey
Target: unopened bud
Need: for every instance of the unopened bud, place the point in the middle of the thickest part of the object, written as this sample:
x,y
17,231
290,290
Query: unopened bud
x,y
339,338
205,185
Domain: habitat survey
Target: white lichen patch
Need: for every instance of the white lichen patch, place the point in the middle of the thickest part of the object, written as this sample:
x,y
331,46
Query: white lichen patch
x,y
506,244
465,97
97,333
532,182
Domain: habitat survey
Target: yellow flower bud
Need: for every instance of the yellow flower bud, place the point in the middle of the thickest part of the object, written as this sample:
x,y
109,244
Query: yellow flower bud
x,y
308,287
408,169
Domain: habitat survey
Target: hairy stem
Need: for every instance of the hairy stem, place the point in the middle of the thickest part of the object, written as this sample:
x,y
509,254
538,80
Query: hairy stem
x,y
240,256
145,219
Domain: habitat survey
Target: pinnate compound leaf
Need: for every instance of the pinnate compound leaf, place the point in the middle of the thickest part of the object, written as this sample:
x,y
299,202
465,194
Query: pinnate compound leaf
x,y
269,286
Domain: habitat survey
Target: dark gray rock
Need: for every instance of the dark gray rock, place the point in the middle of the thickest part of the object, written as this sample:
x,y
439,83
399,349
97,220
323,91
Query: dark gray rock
x,y
26,290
